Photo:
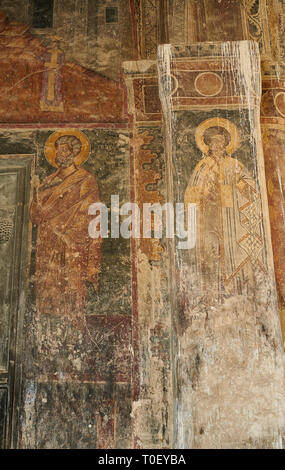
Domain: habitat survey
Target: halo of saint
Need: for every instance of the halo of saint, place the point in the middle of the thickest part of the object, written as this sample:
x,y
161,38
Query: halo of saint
x,y
230,240
83,150
232,134
67,259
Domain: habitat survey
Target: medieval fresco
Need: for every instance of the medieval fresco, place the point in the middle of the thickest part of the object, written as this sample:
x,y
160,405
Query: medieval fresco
x,y
77,324
47,87
97,35
224,297
272,124
77,331
273,144
66,257
230,241
114,342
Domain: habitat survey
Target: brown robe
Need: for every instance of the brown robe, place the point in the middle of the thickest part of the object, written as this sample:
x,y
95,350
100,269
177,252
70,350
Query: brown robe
x,y
66,256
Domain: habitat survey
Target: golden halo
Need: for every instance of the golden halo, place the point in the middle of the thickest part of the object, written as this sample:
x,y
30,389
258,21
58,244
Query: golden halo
x,y
50,152
213,122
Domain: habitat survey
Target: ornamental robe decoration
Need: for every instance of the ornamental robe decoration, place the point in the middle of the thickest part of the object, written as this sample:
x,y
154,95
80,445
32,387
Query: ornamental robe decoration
x,y
66,257
229,251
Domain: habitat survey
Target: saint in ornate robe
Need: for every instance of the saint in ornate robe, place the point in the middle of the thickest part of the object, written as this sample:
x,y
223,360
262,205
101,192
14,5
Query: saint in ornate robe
x,y
66,257
230,241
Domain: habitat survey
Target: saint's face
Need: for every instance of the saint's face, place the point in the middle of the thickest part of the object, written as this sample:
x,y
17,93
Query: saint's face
x,y
217,146
64,157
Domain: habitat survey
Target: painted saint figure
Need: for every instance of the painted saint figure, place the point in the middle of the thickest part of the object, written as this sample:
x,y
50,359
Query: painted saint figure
x,y
230,242
66,257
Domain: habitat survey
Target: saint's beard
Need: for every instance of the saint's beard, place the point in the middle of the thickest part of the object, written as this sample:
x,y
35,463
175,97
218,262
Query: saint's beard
x,y
64,162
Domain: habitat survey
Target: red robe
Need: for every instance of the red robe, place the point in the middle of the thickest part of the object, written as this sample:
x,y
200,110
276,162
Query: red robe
x,y
66,256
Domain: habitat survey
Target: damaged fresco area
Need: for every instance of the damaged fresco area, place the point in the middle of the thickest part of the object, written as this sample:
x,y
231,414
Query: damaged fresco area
x,y
77,331
227,341
152,412
116,343
232,291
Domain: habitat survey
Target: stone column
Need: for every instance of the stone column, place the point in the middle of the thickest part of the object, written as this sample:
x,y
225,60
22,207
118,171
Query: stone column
x,y
227,347
152,385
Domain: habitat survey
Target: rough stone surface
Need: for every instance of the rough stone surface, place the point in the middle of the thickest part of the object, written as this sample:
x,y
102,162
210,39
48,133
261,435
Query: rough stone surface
x,y
228,343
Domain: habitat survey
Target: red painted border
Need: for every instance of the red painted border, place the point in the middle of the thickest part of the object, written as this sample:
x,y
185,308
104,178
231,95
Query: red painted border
x,y
70,125
134,26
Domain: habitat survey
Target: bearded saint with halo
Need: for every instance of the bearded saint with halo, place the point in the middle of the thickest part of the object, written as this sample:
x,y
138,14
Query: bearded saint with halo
x,y
66,257
230,241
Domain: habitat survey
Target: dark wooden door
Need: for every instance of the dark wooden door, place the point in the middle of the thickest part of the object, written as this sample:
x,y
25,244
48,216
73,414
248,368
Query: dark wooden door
x,y
14,199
